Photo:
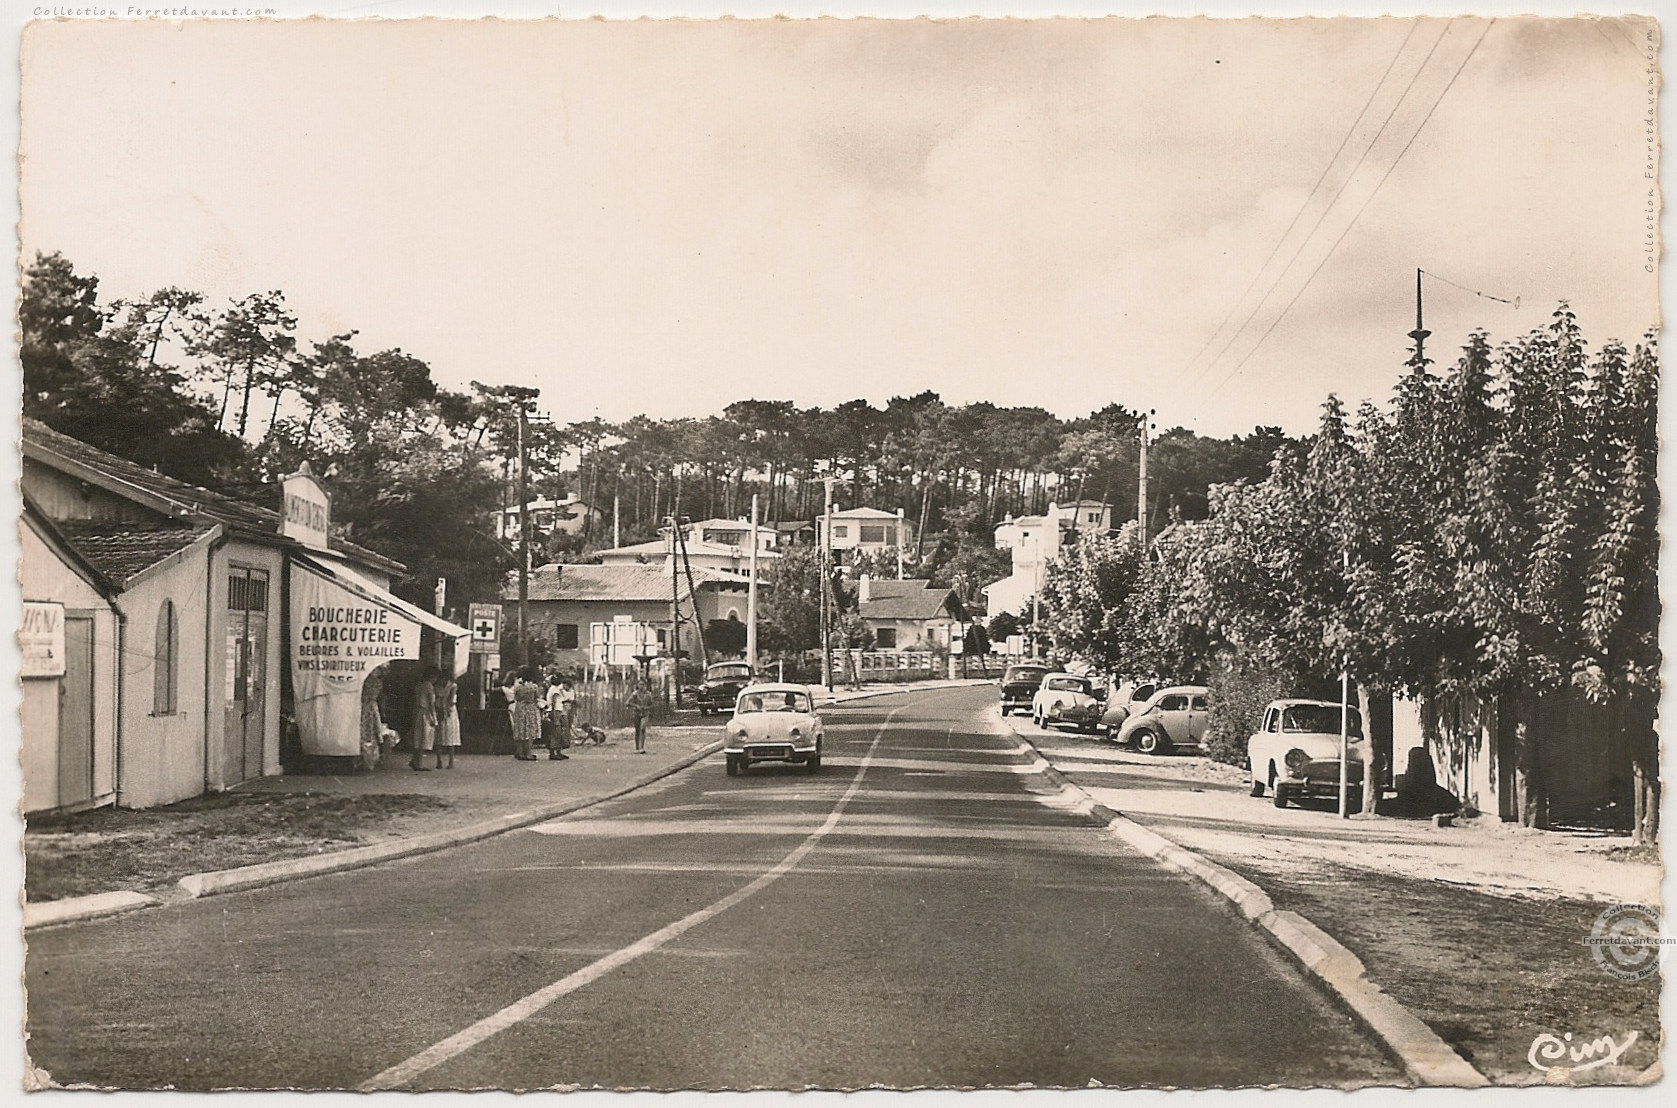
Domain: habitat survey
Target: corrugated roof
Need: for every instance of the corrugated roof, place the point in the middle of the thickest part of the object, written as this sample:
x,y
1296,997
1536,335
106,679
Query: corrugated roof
x,y
121,549
190,501
619,582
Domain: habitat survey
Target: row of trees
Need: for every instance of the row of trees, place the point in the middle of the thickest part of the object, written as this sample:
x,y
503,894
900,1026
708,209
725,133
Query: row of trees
x,y
231,397
1491,533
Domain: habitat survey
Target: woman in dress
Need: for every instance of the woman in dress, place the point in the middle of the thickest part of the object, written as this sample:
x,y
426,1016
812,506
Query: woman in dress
x,y
448,719
372,724
526,713
422,730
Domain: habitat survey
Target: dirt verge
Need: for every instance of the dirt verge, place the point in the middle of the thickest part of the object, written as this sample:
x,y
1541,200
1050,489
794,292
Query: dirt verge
x,y
147,851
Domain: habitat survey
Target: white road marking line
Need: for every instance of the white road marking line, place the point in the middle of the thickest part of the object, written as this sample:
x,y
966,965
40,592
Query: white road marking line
x,y
460,1042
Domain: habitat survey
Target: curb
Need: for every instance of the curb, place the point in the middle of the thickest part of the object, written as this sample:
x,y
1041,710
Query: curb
x,y
198,885
84,907
1428,1059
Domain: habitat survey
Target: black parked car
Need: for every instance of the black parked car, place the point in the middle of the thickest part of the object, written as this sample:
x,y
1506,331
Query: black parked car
x,y
1020,683
721,687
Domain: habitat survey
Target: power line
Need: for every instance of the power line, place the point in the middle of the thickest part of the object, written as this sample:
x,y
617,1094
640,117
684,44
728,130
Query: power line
x,y
1276,249
1514,303
1448,85
1349,177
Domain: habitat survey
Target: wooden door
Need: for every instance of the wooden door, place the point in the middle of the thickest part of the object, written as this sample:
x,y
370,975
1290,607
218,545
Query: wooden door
x,y
75,714
246,713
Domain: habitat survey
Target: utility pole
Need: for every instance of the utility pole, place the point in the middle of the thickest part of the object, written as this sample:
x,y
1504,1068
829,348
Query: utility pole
x,y
523,529
693,598
751,596
1141,498
616,515
826,583
1420,333
1345,716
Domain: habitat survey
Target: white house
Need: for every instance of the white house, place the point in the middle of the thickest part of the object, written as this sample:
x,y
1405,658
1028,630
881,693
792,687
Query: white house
x,y
1034,542
866,529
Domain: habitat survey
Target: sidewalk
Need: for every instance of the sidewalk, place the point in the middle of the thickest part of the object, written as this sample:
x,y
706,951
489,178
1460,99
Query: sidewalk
x,y
1477,928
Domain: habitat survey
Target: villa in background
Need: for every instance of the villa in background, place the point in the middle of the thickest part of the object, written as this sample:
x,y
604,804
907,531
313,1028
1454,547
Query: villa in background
x,y
908,615
1035,541
723,545
866,529
570,516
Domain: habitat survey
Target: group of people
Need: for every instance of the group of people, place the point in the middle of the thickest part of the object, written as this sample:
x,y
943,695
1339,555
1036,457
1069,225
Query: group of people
x,y
543,709
435,727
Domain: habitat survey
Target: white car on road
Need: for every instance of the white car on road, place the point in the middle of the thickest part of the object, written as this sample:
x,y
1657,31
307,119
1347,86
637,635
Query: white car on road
x,y
773,723
1296,751
1066,698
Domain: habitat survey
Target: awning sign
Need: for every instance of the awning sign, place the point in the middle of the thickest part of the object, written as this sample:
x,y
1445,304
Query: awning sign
x,y
40,637
338,637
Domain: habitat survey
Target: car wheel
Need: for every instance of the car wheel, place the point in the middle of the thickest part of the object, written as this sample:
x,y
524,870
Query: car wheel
x,y
1257,782
1283,794
733,766
1151,742
813,765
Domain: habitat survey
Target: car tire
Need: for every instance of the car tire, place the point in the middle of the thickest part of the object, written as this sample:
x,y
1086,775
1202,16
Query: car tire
x,y
1257,782
1283,794
1151,742
733,766
813,764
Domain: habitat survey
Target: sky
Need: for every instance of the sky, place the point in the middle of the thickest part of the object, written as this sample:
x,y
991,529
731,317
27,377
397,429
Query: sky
x,y
1219,220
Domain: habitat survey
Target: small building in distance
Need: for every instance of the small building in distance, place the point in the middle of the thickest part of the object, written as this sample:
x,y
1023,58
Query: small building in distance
x,y
605,615
1034,542
908,615
868,530
570,516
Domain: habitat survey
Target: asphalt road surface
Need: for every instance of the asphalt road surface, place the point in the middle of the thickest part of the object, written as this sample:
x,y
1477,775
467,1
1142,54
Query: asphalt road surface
x,y
922,912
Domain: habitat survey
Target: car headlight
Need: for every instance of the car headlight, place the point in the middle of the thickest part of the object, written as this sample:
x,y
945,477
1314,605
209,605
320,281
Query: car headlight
x,y
736,733
797,733
1296,759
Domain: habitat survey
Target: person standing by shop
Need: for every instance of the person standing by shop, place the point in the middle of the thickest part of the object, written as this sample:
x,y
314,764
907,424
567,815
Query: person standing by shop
x,y
448,719
372,724
640,703
526,713
422,729
558,703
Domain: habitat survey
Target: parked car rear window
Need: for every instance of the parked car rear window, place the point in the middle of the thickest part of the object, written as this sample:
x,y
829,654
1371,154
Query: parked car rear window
x,y
773,702
1199,704
1068,684
1318,719
1024,673
1173,704
727,673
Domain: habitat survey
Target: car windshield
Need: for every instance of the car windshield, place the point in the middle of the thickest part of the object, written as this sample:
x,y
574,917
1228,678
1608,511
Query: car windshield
x,y
773,702
1024,673
1318,719
1068,684
727,673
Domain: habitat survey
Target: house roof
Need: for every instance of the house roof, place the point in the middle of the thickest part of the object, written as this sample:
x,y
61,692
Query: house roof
x,y
190,505
78,562
915,600
660,548
121,549
864,513
617,582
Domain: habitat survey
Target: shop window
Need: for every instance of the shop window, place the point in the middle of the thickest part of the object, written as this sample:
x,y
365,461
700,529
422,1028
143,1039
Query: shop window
x,y
165,661
886,637
565,636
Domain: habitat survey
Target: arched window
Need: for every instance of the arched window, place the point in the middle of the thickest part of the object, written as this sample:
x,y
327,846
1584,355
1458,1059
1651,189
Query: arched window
x,y
165,661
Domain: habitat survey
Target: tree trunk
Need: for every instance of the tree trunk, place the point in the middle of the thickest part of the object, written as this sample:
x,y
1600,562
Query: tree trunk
x,y
1645,774
1376,708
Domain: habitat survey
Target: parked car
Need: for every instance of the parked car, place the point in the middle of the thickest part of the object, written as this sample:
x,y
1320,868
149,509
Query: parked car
x,y
773,723
721,686
1020,683
1295,752
1067,699
1173,716
1128,699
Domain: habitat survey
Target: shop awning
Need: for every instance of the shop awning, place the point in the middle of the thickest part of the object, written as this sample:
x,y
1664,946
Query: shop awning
x,y
349,578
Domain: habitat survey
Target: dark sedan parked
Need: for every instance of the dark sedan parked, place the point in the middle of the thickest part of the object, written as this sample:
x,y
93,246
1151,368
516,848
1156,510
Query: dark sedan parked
x,y
721,686
1019,685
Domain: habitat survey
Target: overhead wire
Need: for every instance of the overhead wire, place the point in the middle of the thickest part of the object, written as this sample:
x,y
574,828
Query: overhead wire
x,y
1310,196
1311,234
1370,199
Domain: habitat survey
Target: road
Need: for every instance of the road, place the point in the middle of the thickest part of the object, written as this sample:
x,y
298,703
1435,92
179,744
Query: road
x,y
922,912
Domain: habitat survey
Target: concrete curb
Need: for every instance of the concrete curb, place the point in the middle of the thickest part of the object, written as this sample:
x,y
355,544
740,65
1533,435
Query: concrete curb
x,y
84,907
198,885
1428,1059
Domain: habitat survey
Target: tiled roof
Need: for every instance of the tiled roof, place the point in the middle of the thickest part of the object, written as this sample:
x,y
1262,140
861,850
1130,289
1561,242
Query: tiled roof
x,y
619,582
191,502
907,600
121,549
